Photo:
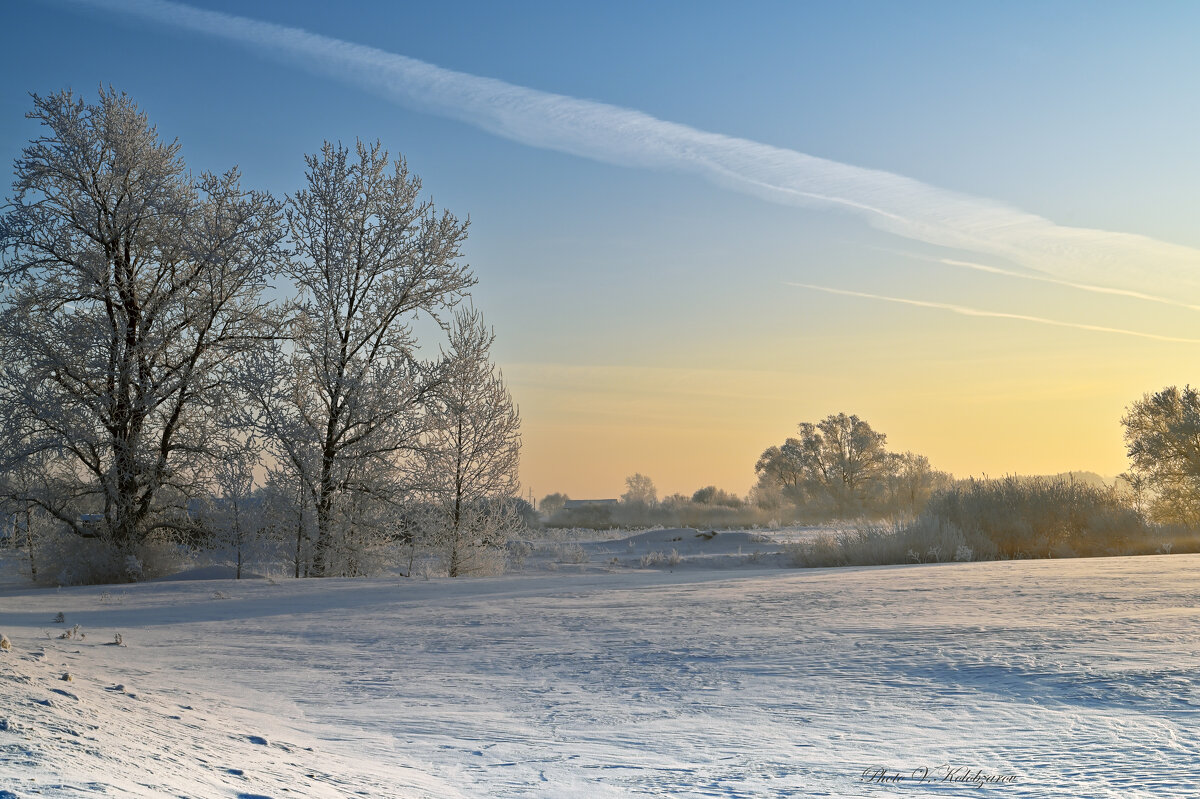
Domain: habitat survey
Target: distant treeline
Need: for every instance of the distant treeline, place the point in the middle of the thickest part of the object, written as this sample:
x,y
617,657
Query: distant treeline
x,y
838,468
896,508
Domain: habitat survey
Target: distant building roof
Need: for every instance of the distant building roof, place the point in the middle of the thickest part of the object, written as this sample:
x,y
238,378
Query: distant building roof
x,y
587,503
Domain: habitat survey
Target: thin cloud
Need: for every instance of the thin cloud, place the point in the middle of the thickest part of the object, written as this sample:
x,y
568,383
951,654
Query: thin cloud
x,y
608,133
962,310
1041,278
1137,295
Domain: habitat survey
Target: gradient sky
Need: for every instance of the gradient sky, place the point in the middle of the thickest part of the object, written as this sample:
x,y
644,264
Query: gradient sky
x,y
688,218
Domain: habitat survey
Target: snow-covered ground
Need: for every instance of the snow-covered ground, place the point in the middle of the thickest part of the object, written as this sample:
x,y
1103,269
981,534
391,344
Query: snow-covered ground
x,y
589,678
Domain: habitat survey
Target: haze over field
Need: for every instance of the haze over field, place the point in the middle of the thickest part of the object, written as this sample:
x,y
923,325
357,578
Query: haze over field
x,y
695,227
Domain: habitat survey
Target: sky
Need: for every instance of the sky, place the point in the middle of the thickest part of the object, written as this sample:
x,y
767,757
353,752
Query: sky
x,y
697,224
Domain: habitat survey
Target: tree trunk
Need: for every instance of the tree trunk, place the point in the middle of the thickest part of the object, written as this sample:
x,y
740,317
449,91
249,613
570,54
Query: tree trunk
x,y
299,528
324,505
324,534
237,539
29,540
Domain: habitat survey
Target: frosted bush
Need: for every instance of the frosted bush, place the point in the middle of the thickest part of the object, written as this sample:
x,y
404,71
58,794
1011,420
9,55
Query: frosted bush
x,y
518,552
68,559
652,559
489,561
924,540
572,553
73,634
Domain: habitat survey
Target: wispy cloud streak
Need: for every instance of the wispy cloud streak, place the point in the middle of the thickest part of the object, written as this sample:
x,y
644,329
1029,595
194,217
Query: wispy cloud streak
x,y
1136,295
1042,278
612,134
963,310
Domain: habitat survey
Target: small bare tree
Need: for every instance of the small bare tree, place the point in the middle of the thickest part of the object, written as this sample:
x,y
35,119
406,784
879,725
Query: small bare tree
x,y
129,287
21,481
235,513
472,451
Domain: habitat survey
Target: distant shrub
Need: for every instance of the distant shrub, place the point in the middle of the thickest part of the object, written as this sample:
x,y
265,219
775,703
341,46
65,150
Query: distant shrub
x,y
572,553
518,553
649,559
926,540
594,517
67,559
1042,517
1166,539
1014,517
711,495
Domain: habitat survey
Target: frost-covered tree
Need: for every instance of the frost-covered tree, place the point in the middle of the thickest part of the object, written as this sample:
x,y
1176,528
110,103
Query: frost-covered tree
x,y
339,398
839,462
911,481
552,503
639,490
129,289
1162,438
234,513
22,480
781,471
472,451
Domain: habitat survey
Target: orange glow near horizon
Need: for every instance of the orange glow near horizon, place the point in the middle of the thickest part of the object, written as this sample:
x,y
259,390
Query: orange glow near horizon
x,y
1028,407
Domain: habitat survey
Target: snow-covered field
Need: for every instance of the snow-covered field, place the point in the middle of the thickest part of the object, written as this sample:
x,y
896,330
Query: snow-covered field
x,y
1066,678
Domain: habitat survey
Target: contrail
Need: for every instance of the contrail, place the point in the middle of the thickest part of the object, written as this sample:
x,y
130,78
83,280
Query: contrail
x,y
608,133
1041,278
965,311
1137,295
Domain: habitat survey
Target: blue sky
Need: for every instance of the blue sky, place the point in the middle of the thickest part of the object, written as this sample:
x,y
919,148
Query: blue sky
x,y
648,317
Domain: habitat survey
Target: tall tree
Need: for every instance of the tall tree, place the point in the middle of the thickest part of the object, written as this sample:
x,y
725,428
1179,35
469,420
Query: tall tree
x,y
1162,438
839,461
341,399
129,286
472,450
